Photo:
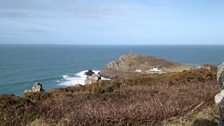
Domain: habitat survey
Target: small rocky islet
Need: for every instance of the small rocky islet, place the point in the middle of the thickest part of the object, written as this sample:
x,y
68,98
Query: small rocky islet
x,y
143,90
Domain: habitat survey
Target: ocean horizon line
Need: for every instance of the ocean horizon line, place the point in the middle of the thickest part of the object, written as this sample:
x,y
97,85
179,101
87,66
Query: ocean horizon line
x,y
112,44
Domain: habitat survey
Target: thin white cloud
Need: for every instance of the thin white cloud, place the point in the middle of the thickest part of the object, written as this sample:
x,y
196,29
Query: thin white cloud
x,y
56,8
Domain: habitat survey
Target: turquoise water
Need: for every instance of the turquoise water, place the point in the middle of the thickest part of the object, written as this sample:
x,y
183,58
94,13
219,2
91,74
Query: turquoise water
x,y
53,65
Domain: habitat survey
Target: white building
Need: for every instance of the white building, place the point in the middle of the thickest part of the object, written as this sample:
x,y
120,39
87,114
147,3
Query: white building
x,y
155,69
139,71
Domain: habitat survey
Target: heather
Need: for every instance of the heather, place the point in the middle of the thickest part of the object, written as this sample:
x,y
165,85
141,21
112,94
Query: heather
x,y
159,99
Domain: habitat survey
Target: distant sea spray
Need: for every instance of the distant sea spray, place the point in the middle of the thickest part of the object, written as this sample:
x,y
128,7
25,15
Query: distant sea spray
x,y
74,79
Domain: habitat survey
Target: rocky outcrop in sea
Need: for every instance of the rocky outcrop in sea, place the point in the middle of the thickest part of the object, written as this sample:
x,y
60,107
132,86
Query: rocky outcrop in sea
x,y
92,77
37,87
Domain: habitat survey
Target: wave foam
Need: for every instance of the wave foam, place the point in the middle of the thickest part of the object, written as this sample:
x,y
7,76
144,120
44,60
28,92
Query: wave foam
x,y
78,78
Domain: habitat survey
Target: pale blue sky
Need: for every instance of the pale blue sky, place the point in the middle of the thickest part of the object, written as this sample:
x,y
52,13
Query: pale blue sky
x,y
112,22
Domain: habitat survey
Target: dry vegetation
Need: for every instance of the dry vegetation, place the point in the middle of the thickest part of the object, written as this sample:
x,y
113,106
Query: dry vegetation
x,y
145,100
127,65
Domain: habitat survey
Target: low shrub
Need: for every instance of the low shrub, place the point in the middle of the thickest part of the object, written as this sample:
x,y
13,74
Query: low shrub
x,y
144,100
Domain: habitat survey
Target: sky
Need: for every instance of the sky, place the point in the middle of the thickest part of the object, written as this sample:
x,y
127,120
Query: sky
x,y
116,22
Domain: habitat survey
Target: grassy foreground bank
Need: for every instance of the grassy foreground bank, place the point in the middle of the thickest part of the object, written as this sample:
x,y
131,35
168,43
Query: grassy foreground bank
x,y
170,99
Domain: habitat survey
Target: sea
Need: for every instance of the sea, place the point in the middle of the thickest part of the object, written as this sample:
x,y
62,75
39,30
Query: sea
x,y
57,66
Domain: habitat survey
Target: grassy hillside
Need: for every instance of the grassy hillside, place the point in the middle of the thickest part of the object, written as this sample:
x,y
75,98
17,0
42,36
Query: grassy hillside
x,y
184,98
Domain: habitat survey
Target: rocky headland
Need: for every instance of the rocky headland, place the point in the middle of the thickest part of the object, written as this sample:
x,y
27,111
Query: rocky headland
x,y
133,65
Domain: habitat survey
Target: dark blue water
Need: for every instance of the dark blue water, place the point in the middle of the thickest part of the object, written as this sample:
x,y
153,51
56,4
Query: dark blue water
x,y
22,65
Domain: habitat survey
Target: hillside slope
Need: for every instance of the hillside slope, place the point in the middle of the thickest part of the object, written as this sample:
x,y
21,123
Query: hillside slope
x,y
144,100
133,65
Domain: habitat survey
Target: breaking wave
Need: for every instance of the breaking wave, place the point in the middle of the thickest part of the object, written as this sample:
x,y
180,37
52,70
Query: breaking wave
x,y
74,79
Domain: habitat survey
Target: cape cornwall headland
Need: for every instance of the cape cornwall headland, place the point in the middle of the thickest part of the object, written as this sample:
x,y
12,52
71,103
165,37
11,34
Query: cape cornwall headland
x,y
134,64
142,90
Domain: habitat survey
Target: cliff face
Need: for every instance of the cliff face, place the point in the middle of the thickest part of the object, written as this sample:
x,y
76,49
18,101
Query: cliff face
x,y
133,64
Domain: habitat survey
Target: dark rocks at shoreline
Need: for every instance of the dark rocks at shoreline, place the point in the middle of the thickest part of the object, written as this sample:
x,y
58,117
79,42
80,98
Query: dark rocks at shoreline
x,y
92,77
89,73
133,65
